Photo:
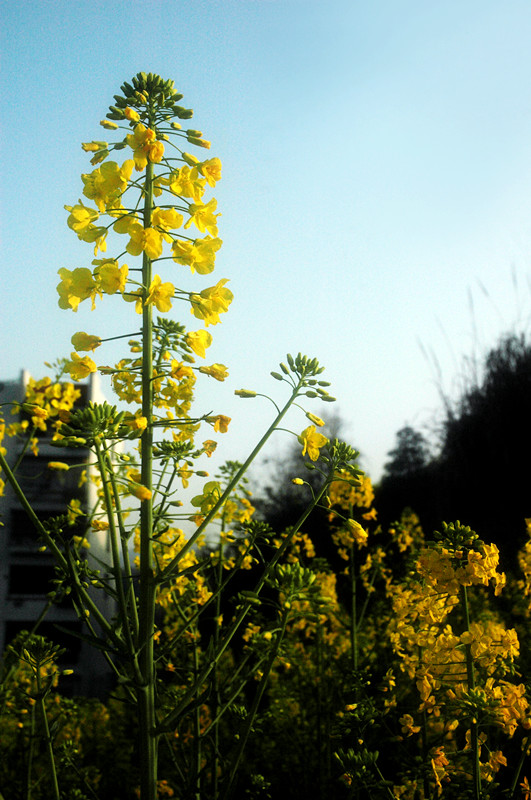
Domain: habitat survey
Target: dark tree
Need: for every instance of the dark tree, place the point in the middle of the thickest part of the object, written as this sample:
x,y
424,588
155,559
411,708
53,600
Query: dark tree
x,y
410,454
482,474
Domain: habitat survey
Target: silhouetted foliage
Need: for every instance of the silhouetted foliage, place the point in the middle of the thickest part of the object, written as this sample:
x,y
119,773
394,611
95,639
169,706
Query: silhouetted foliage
x,y
410,454
481,475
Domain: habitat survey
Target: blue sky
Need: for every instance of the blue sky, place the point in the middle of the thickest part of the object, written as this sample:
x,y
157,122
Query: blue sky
x,y
376,186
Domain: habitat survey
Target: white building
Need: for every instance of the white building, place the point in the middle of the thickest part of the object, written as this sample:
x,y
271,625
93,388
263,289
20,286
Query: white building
x,y
25,571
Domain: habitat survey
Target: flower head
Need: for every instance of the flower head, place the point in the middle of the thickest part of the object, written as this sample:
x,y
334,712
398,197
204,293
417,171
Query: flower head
x,y
80,367
217,371
160,294
85,341
198,341
312,442
211,302
145,147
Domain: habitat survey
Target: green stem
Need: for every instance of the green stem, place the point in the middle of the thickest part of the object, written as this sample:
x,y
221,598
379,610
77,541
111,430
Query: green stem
x,y
146,691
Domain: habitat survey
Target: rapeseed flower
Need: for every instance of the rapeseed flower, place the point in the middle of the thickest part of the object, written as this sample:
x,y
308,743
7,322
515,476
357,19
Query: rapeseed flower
x,y
145,147
203,217
146,240
312,442
160,294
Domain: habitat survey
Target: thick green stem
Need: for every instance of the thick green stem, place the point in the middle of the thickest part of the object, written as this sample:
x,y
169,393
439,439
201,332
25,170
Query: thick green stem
x,y
146,691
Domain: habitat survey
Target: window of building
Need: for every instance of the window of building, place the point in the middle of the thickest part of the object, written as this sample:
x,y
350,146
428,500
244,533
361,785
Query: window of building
x,y
30,579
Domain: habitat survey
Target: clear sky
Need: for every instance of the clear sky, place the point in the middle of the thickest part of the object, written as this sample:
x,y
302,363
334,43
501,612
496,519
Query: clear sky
x,y
376,179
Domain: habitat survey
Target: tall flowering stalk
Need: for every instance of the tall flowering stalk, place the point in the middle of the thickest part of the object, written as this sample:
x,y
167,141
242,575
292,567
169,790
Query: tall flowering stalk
x,y
149,107
143,208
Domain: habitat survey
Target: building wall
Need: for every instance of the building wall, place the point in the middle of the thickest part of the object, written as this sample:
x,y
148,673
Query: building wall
x,y
25,571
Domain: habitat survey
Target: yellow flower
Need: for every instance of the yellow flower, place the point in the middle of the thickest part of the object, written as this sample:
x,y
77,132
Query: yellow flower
x,y
93,147
131,114
209,497
99,525
81,217
145,147
297,481
166,219
209,445
74,511
80,541
76,285
134,297
211,169
408,728
80,367
203,217
179,370
186,183
211,302
160,294
110,278
217,371
199,255
59,466
312,442
198,341
140,492
220,422
85,341
148,240
106,184
136,422
124,222
316,420
155,152
359,534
